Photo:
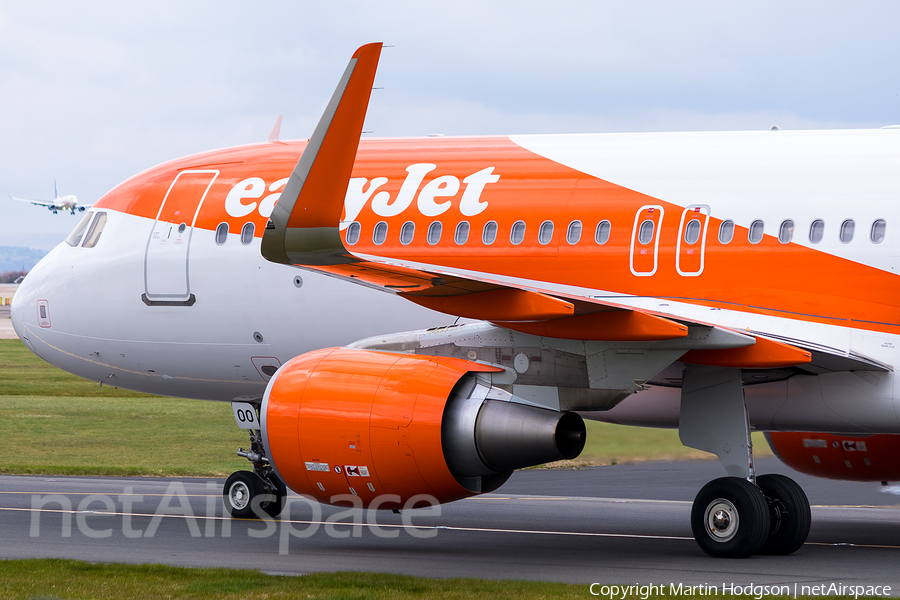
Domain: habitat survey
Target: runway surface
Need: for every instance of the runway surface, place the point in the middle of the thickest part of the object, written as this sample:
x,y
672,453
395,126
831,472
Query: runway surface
x,y
617,524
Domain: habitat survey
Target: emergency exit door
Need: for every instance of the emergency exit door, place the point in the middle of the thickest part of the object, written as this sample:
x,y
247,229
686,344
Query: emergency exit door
x,y
167,259
690,250
644,255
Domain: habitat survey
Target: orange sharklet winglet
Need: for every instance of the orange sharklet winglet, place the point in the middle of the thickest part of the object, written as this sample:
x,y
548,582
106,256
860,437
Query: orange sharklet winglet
x,y
506,304
607,326
764,354
303,228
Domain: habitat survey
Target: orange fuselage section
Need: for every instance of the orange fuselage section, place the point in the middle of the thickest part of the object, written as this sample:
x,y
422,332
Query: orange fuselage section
x,y
866,458
489,206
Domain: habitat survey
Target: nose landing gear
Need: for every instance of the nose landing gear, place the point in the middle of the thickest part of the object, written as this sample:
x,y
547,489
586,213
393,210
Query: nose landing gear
x,y
260,492
245,493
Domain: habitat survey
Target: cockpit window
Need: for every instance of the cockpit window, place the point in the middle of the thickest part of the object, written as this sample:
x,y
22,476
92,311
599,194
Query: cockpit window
x,y
75,237
94,232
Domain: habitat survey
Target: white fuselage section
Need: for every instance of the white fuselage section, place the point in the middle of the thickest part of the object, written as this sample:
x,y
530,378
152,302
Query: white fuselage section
x,y
249,314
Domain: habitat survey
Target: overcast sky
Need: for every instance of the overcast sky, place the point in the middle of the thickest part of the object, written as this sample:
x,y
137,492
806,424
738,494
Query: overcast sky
x,y
94,92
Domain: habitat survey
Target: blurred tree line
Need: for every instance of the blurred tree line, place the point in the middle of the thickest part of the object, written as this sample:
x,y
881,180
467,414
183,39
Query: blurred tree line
x,y
11,276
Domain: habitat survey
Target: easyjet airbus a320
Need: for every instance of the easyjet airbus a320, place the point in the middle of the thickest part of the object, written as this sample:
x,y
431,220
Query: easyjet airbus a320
x,y
717,282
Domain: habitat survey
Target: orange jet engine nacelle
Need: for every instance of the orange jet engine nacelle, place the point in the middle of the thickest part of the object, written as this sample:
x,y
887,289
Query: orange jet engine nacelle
x,y
869,458
384,428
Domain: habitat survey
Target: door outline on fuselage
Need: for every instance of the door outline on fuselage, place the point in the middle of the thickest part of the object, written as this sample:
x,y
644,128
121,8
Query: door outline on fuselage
x,y
655,213
152,295
692,210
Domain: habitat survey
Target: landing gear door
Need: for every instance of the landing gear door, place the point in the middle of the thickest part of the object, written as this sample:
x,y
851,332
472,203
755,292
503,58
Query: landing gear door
x,y
166,272
644,254
690,249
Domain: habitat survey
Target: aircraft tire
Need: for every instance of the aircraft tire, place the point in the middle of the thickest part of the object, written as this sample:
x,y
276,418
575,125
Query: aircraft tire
x,y
273,509
789,511
730,518
238,493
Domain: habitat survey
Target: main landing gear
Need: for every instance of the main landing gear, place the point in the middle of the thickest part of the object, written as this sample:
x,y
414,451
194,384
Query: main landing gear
x,y
740,515
733,518
249,494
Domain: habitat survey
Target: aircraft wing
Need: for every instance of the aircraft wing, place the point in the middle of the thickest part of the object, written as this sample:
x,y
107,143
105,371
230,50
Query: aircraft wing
x,y
35,202
304,230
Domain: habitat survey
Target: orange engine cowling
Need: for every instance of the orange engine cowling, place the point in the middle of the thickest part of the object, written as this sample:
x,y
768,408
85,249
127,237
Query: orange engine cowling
x,y
869,458
386,427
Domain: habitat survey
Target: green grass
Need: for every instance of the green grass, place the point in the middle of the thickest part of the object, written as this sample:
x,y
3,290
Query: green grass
x,y
48,579
24,374
613,444
54,423
80,435
51,578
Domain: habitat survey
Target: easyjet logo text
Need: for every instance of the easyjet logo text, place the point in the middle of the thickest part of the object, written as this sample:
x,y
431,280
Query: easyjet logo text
x,y
431,199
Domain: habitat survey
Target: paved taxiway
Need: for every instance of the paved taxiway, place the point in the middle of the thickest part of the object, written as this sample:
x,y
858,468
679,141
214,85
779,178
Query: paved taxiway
x,y
618,524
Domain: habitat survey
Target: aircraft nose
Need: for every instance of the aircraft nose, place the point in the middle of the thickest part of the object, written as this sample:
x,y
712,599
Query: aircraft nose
x,y
24,307
17,307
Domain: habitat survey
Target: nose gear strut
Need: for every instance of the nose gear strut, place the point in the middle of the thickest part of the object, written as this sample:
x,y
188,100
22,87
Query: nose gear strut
x,y
258,493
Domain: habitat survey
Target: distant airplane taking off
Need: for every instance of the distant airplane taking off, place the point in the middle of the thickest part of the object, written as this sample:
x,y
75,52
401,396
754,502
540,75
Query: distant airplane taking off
x,y
69,203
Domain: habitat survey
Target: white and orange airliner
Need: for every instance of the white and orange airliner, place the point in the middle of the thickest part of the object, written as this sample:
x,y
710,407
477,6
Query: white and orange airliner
x,y
68,202
716,282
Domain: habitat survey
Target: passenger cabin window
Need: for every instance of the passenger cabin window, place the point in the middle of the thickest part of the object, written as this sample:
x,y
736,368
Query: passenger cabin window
x,y
517,233
434,232
93,234
352,235
816,231
786,231
379,234
407,232
692,231
755,233
847,228
462,233
601,234
645,233
573,234
489,233
545,233
878,230
221,233
726,231
247,233
75,237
